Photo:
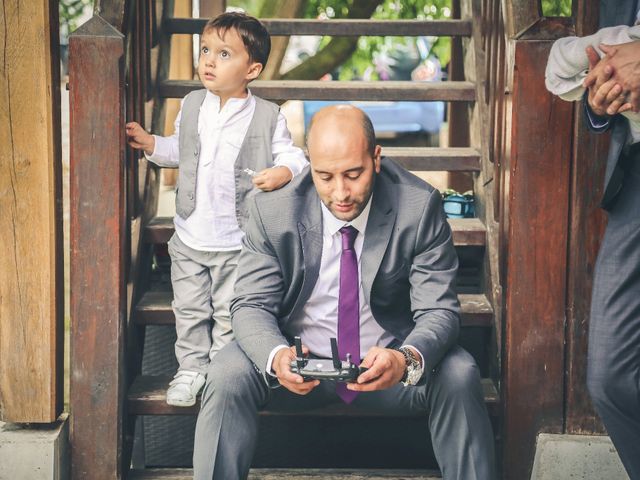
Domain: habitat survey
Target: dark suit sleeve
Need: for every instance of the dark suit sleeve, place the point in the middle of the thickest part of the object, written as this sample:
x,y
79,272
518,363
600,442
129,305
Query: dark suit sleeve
x,y
258,294
434,302
594,122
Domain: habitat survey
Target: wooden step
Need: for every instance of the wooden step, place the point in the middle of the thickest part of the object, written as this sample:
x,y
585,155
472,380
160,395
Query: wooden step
x,y
434,159
340,90
467,232
294,474
339,27
154,308
147,396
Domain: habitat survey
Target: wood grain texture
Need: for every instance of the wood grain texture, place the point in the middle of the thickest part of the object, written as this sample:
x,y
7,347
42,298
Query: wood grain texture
x,y
98,250
31,284
467,232
339,27
148,394
338,90
586,231
295,474
536,259
154,308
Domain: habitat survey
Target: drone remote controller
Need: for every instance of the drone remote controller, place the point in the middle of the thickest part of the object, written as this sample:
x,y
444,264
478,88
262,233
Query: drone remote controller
x,y
324,369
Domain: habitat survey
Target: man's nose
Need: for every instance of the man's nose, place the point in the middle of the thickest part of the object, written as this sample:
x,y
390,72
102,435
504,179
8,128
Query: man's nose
x,y
341,192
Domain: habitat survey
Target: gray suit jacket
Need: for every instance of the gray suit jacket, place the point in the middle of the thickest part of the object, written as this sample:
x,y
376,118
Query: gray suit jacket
x,y
408,265
613,12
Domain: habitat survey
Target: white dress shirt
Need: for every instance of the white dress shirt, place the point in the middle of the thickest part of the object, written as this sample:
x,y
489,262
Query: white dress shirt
x,y
213,225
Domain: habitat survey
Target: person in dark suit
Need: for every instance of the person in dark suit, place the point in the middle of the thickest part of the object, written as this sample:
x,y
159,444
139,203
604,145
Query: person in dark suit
x,y
613,373
359,249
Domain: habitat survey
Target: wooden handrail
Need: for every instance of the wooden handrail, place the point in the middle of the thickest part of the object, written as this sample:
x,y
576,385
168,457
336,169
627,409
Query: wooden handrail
x,y
338,90
338,27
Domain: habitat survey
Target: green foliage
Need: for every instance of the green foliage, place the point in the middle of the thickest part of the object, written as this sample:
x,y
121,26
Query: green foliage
x,y
556,8
369,47
70,11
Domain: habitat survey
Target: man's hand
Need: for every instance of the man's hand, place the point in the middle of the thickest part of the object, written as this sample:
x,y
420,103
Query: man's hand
x,y
291,381
385,369
605,96
139,138
272,178
622,63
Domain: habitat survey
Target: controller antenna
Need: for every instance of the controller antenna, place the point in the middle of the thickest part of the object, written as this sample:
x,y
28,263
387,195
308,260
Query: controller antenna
x,y
299,356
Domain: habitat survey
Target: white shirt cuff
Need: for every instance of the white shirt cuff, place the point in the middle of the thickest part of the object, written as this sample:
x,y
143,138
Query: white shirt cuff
x,y
270,359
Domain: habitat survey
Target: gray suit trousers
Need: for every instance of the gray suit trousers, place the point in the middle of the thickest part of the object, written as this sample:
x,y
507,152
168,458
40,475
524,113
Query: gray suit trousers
x,y
452,403
613,374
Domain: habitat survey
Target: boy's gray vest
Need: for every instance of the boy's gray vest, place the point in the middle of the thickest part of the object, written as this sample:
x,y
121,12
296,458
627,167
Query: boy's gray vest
x,y
255,153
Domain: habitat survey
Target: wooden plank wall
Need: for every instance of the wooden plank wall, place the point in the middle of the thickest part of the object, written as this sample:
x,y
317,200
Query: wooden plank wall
x,y
31,263
98,245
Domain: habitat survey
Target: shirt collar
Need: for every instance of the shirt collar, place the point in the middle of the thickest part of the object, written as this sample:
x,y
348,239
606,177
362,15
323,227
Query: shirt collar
x,y
233,105
333,224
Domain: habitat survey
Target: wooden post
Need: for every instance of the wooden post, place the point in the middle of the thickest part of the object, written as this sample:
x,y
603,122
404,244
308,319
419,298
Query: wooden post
x,y
31,284
587,228
537,198
98,244
212,8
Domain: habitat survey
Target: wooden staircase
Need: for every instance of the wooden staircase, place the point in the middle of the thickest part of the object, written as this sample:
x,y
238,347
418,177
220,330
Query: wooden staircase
x,y
149,299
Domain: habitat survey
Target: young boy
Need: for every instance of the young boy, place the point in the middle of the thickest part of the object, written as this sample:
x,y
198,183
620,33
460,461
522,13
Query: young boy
x,y
223,135
568,64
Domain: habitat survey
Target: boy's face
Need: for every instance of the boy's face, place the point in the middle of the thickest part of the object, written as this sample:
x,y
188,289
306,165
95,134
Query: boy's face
x,y
224,67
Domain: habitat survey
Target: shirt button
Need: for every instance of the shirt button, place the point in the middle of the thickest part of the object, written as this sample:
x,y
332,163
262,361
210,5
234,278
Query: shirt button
x,y
191,196
195,154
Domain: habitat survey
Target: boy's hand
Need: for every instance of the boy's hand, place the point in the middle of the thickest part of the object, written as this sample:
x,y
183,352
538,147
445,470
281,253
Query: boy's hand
x,y
272,178
139,138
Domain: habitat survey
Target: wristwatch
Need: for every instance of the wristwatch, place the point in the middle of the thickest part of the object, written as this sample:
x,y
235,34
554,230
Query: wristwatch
x,y
413,370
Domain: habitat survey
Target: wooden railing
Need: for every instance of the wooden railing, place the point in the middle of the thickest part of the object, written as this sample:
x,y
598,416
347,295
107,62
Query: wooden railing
x,y
114,199
108,83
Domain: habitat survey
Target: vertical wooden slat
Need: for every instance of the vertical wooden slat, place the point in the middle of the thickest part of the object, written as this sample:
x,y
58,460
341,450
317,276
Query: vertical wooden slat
x,y
98,270
458,111
31,284
212,8
536,260
587,226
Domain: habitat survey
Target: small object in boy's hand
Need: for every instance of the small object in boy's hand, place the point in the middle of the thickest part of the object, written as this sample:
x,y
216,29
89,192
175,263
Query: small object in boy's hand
x,y
248,171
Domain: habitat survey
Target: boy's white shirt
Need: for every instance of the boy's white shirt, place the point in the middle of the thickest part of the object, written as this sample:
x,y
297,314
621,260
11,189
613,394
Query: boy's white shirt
x,y
568,65
213,225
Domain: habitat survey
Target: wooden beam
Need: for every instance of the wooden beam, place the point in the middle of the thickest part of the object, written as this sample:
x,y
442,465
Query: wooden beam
x,y
338,27
98,250
537,194
31,283
338,90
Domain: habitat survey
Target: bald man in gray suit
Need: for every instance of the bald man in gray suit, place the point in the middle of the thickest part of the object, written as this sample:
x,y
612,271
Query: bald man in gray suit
x,y
356,241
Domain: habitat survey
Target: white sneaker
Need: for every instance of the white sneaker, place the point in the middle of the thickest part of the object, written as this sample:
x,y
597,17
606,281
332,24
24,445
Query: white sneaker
x,y
184,388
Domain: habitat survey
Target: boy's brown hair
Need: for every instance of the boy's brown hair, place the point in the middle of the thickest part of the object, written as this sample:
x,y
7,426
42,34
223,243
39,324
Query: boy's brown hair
x,y
255,37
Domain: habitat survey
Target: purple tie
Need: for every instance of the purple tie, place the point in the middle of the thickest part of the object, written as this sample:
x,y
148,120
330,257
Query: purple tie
x,y
348,307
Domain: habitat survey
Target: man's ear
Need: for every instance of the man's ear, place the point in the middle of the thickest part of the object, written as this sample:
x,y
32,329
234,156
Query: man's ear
x,y
254,70
376,158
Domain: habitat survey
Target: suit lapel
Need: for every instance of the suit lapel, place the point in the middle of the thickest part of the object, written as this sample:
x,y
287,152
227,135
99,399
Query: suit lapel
x,y
310,232
379,227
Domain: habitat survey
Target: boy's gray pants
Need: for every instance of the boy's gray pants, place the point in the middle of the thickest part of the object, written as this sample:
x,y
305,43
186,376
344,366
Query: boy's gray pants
x,y
202,290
